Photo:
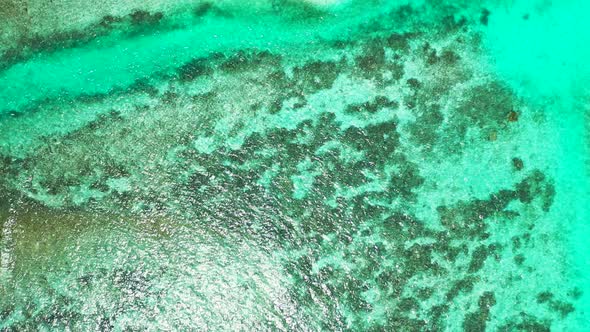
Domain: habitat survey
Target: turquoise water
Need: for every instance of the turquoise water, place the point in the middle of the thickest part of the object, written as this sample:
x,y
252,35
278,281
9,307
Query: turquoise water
x,y
295,165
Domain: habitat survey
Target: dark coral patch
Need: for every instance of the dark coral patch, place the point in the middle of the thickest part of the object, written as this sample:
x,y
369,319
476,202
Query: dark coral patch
x,y
399,41
373,106
478,258
203,9
536,185
525,323
316,75
461,286
477,321
487,105
544,297
517,163
194,69
484,18
512,116
563,308
144,17
372,58
247,60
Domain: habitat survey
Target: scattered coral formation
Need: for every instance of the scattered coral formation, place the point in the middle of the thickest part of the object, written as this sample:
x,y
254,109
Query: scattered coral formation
x,y
285,154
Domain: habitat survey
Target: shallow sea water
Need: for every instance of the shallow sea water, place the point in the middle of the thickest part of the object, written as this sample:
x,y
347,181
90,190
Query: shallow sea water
x,y
294,165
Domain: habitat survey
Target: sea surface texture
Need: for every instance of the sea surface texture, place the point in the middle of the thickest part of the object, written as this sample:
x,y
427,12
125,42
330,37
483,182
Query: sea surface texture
x,y
294,165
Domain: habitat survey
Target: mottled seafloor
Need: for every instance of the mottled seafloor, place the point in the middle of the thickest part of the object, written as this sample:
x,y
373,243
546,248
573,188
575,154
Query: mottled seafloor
x,y
360,165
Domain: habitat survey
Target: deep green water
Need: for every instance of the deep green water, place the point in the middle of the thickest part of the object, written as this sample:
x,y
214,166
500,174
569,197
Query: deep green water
x,y
284,165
